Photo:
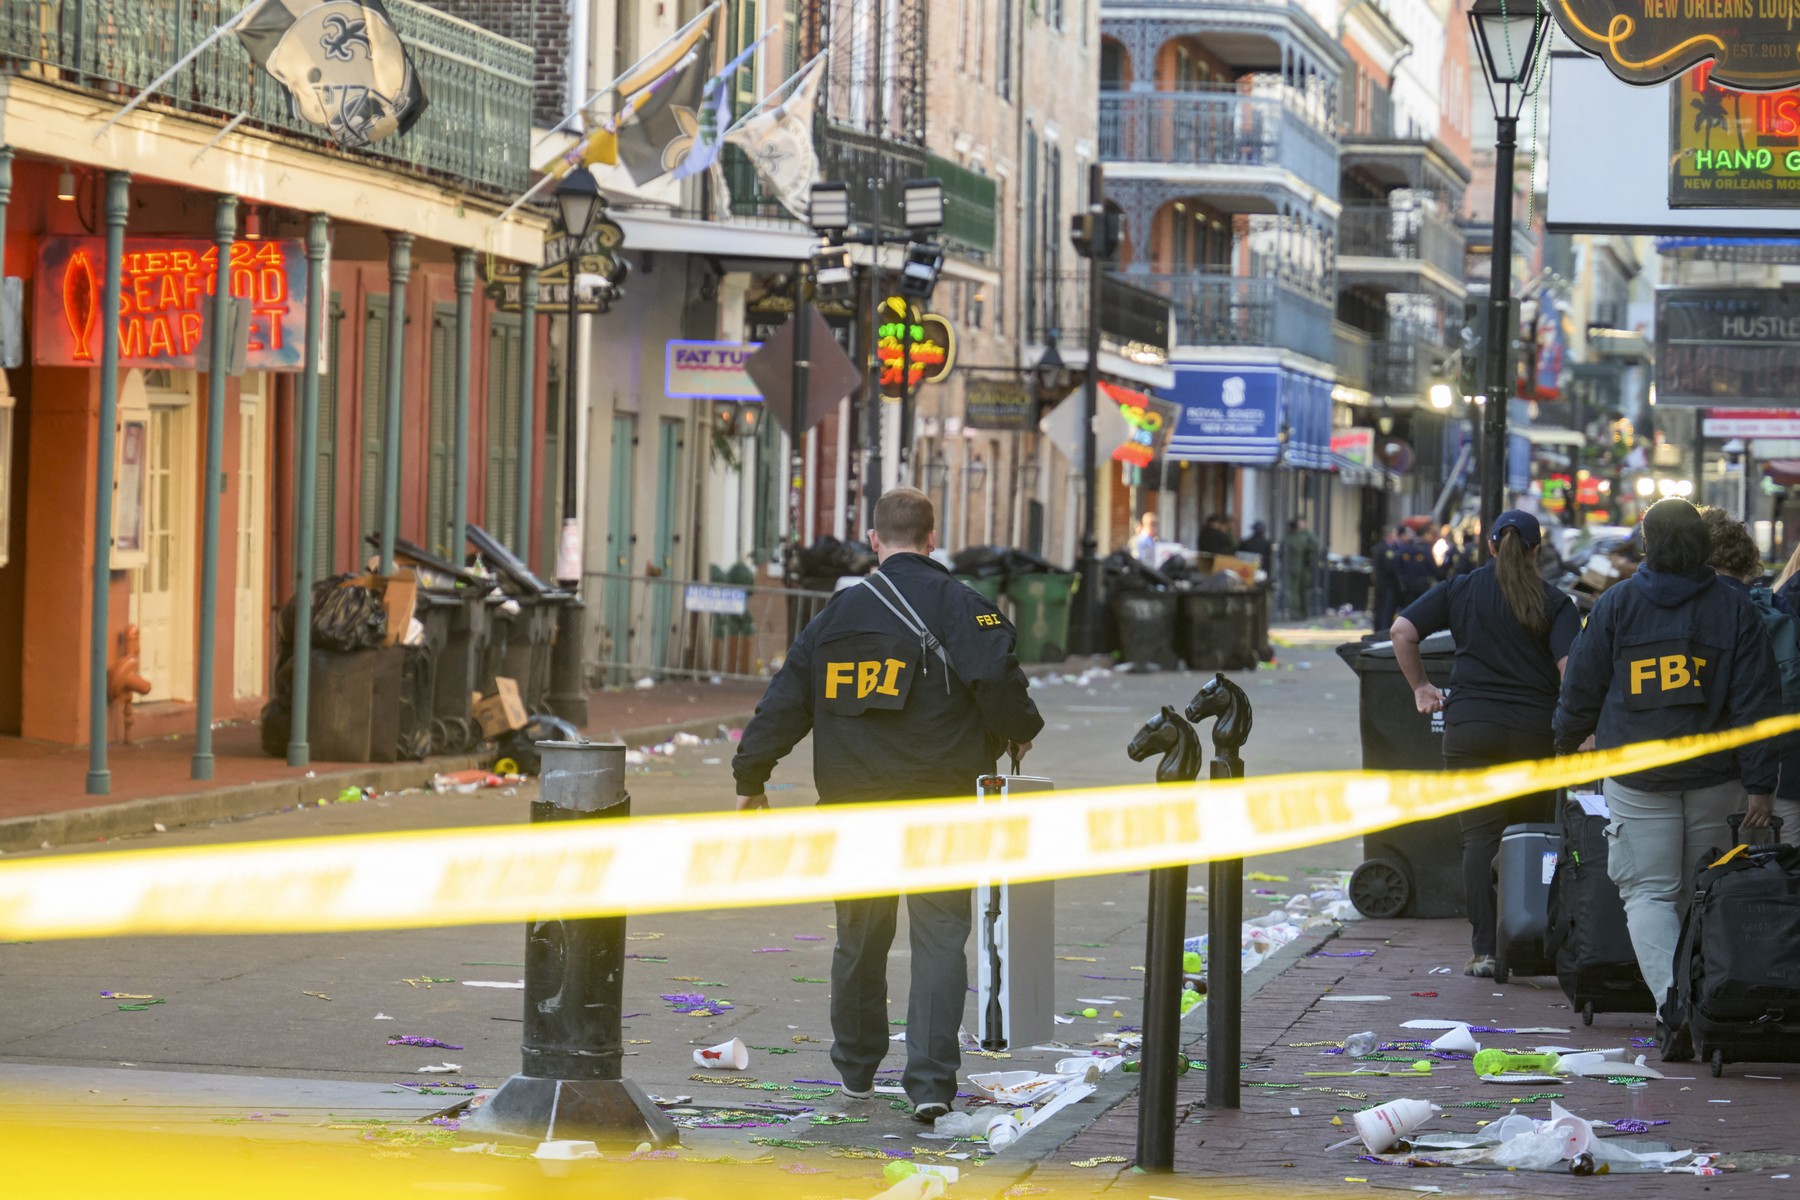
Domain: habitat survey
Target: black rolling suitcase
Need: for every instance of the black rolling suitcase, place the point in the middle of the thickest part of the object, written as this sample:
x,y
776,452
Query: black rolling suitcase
x,y
1522,873
1736,996
1588,939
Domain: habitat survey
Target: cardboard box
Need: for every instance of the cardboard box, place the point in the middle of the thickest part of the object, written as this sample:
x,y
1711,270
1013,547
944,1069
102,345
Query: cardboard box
x,y
1244,568
501,712
399,593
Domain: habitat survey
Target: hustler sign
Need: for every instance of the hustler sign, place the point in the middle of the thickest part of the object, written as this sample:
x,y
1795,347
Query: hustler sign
x,y
1751,43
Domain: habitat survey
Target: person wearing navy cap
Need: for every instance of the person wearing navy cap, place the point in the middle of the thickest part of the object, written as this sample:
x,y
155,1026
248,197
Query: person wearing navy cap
x,y
1513,632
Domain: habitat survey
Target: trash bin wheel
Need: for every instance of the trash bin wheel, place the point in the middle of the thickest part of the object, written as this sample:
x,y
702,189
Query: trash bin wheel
x,y
440,736
1501,971
1380,889
1718,1063
1587,1013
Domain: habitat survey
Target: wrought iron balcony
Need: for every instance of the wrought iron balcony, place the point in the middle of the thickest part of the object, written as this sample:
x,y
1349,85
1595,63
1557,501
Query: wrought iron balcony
x,y
1134,321
1353,356
1400,236
1223,128
476,130
1216,309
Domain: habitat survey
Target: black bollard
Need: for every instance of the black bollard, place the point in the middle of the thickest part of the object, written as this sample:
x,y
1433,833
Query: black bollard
x,y
571,1085
1227,702
568,696
1160,1057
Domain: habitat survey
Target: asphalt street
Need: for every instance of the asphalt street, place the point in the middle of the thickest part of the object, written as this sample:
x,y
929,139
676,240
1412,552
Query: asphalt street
x,y
325,1006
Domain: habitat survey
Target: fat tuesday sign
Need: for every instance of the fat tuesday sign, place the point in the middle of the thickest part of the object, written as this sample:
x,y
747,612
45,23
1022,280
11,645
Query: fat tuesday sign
x,y
1751,43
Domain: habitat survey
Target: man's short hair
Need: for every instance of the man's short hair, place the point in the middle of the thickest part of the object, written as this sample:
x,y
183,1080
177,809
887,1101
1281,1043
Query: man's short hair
x,y
905,518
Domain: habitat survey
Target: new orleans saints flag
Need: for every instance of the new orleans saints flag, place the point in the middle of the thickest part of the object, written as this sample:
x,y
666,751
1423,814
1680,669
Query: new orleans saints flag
x,y
662,118
342,63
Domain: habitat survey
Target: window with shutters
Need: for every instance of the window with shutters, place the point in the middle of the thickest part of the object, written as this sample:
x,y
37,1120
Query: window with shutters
x,y
374,378
440,435
504,447
325,491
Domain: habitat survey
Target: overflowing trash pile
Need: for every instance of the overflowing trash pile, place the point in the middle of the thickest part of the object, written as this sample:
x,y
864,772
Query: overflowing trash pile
x,y
1321,906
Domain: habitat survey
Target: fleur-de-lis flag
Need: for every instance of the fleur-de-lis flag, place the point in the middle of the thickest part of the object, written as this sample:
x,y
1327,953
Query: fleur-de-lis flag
x,y
342,63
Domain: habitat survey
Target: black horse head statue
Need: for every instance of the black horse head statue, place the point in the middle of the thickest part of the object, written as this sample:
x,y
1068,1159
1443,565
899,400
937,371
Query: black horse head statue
x,y
1228,702
1173,738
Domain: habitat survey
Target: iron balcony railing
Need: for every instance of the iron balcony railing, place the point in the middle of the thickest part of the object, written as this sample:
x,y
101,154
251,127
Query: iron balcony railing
x,y
1404,234
1235,310
1396,369
1134,321
1223,128
1352,356
476,130
855,158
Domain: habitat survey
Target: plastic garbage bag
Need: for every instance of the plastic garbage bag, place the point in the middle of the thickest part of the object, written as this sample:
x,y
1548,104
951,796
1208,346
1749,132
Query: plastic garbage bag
x,y
347,616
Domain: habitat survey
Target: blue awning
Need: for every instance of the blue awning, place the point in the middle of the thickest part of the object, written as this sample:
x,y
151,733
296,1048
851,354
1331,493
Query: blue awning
x,y
1226,414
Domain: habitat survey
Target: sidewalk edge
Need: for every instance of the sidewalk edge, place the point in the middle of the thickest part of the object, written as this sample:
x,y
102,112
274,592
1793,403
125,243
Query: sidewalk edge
x,y
1012,1167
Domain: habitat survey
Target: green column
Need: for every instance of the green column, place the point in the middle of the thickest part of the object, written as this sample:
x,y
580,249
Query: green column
x,y
114,210
306,475
217,364
399,271
459,467
528,297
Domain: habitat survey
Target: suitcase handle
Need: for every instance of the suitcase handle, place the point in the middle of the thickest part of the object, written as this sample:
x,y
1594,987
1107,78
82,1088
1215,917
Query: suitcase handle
x,y
1736,821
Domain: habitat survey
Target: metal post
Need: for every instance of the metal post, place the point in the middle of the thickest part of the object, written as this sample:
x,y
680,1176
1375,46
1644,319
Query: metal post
x,y
571,416
797,420
1499,337
465,333
118,184
528,297
571,1083
217,365
568,697
1224,969
1090,405
306,475
1161,1064
874,482
904,449
399,271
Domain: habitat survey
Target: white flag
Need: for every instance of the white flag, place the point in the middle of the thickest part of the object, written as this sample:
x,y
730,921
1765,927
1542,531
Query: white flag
x,y
779,144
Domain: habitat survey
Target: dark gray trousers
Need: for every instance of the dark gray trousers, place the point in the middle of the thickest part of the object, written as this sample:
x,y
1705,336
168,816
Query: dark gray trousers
x,y
939,923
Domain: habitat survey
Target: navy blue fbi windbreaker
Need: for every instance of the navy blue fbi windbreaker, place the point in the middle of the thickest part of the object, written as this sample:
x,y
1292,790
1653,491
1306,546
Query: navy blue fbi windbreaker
x,y
888,721
1665,656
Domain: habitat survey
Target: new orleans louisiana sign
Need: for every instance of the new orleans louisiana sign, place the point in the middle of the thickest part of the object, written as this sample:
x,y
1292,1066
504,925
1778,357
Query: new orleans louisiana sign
x,y
1752,44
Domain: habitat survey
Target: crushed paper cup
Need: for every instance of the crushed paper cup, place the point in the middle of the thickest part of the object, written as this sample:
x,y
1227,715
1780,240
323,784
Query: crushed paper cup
x,y
1385,1124
558,1157
1459,1040
448,1068
726,1056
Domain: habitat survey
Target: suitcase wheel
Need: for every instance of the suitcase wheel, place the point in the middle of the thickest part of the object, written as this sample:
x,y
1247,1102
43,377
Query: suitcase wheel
x,y
1501,971
1587,1013
1380,889
1718,1063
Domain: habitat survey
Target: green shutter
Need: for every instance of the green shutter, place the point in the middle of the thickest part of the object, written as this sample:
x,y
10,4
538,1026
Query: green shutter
x,y
503,396
325,491
374,376
439,538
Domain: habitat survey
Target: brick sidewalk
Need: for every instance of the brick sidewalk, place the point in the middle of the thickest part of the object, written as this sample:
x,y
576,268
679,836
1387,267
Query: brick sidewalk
x,y
1265,1146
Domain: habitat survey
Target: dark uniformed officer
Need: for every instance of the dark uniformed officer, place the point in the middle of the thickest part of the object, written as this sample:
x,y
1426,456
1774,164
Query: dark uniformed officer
x,y
1414,570
1668,653
910,690
1386,558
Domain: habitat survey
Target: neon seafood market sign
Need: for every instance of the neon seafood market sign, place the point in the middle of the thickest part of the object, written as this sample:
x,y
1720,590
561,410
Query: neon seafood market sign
x,y
1753,44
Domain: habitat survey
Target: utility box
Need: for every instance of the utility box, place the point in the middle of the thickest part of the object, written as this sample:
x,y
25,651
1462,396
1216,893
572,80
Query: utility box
x,y
1015,951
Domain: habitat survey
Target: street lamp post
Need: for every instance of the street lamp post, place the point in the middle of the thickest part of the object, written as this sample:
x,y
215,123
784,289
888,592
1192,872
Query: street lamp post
x,y
578,203
1095,234
1510,37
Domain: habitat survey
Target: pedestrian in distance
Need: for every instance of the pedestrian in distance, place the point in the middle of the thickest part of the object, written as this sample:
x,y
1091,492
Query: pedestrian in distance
x,y
1513,632
910,689
1299,559
1258,545
1386,560
1670,653
1143,542
1414,570
1215,537
1739,564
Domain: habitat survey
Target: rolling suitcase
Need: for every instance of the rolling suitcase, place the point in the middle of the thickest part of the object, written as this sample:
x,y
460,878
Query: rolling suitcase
x,y
1736,995
1015,948
1588,939
1522,873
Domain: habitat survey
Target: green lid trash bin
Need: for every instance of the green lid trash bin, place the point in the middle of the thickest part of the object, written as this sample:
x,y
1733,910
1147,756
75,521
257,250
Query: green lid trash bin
x,y
987,585
1042,604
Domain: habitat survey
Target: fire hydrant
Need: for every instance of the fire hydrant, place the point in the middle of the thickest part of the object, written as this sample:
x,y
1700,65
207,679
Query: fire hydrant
x,y
123,683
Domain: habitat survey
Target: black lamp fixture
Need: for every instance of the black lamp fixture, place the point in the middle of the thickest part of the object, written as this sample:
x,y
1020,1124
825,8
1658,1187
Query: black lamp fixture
x,y
976,474
578,202
1050,376
936,473
1029,474
1511,36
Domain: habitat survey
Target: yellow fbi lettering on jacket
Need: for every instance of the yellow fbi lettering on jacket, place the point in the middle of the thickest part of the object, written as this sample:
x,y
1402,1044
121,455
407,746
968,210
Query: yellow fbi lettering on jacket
x,y
1665,673
989,619
877,676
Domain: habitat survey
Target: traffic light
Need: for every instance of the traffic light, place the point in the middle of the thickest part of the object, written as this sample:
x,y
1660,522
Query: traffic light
x,y
1096,234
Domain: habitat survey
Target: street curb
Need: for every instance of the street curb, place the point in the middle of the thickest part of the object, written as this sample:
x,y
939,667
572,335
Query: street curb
x,y
102,821
1018,1162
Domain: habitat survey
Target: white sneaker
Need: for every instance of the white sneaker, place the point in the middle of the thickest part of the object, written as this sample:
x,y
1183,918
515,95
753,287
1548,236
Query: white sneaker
x,y
851,1092
929,1112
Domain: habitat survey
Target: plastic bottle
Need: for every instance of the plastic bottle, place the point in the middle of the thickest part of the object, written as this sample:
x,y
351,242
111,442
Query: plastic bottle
x,y
1190,962
1500,1062
1361,1045
1190,999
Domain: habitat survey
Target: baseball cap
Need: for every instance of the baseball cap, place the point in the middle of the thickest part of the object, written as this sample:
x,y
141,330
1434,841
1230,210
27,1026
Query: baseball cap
x,y
1527,525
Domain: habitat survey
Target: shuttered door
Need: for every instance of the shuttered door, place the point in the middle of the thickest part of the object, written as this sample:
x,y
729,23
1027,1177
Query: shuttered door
x,y
441,432
374,376
325,460
503,446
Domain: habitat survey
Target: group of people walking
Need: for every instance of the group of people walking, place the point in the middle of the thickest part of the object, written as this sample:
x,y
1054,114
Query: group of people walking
x,y
1687,645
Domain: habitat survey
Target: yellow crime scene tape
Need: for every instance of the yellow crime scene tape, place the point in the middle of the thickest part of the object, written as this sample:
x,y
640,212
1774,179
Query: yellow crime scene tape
x,y
732,860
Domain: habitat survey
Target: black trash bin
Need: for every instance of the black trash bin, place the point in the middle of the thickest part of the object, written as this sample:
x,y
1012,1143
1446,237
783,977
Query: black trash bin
x,y
1146,623
1221,630
353,709
1412,870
